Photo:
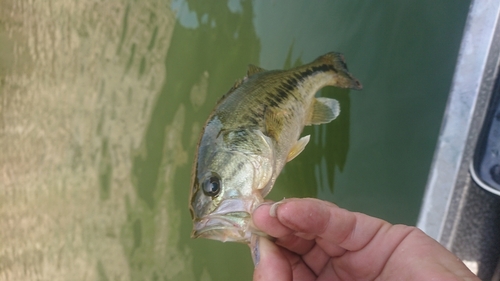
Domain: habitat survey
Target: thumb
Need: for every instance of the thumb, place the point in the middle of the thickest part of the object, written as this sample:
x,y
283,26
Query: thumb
x,y
270,263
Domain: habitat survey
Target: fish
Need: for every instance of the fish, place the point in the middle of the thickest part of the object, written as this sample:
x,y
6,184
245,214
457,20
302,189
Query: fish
x,y
252,132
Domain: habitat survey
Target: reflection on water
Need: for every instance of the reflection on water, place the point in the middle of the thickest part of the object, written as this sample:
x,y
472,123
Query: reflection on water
x,y
77,95
102,102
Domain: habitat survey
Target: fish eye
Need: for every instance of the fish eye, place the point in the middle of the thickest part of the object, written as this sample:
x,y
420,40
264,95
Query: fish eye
x,y
212,186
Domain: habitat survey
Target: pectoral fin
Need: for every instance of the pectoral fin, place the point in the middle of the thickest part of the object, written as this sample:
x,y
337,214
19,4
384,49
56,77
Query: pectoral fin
x,y
273,120
298,148
323,110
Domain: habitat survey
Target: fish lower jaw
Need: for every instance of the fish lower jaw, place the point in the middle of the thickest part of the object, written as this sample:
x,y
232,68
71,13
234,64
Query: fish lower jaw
x,y
232,227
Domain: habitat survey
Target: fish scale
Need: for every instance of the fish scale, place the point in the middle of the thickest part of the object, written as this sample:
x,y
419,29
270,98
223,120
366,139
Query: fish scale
x,y
250,135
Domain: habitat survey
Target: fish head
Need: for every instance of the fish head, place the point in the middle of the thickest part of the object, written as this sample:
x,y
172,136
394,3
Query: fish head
x,y
223,199
226,187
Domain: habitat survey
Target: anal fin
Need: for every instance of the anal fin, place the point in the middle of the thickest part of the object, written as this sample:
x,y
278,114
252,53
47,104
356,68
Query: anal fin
x,y
323,110
297,148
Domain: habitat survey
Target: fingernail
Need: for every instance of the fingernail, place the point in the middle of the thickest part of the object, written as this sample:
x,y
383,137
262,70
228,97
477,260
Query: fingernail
x,y
263,203
254,247
274,208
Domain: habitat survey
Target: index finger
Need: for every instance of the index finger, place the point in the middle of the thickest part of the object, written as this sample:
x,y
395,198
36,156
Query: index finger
x,y
314,217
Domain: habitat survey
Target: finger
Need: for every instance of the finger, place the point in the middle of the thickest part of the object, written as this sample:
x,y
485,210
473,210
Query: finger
x,y
296,244
272,264
333,250
374,255
351,231
316,259
300,270
369,242
270,225
428,254
328,273
274,228
369,246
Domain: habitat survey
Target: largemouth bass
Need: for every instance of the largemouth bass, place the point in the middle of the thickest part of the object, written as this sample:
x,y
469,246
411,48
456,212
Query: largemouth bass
x,y
250,135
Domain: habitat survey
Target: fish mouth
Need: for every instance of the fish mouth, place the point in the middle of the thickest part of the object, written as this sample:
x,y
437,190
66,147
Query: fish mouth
x,y
227,227
231,221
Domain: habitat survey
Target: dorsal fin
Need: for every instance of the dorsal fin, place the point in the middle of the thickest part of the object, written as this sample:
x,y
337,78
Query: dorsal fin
x,y
237,83
252,69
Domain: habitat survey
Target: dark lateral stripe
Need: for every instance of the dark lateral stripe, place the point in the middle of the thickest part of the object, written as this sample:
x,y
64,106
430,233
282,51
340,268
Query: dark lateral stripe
x,y
317,68
252,120
258,114
282,94
278,98
287,86
324,68
292,82
300,76
270,101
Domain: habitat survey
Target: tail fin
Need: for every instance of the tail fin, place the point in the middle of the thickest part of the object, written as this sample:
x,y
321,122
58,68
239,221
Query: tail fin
x,y
335,62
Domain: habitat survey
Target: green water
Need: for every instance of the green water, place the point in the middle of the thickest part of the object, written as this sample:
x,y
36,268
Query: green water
x,y
102,102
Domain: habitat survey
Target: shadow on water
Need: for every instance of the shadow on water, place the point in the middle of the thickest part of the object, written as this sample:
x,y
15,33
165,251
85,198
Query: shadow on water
x,y
205,51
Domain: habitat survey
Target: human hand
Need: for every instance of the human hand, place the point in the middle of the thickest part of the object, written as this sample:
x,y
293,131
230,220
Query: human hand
x,y
316,240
